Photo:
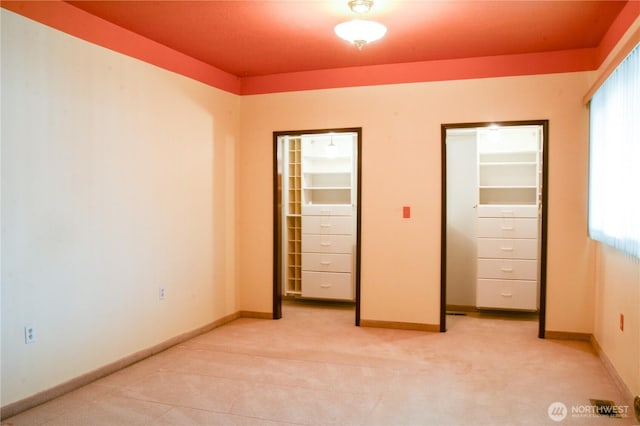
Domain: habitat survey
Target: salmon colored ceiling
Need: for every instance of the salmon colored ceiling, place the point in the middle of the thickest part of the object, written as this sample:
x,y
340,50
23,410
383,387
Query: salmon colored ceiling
x,y
262,43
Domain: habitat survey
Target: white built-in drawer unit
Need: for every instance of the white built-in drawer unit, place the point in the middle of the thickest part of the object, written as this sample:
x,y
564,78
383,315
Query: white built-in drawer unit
x,y
328,243
510,269
327,209
507,266
327,285
341,225
497,210
327,262
500,227
313,243
507,294
509,248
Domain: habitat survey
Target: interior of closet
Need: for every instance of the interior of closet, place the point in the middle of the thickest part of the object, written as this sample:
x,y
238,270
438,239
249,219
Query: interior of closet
x,y
318,217
493,218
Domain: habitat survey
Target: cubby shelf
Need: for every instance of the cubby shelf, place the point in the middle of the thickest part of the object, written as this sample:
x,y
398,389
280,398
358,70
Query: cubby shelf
x,y
294,217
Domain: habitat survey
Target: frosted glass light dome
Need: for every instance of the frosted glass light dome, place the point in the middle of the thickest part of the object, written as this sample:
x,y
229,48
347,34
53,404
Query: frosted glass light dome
x,y
360,32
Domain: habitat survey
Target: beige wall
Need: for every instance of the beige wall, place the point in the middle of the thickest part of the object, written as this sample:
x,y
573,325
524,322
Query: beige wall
x,y
618,292
117,178
401,166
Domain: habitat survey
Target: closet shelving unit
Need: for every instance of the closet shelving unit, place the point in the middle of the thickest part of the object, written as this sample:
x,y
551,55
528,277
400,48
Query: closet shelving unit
x,y
509,196
321,231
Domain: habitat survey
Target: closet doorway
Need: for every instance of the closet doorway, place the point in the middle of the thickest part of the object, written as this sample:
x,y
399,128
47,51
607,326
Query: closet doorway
x,y
494,219
316,211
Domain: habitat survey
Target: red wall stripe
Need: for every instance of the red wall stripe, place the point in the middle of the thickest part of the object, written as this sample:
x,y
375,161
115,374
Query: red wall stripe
x,y
456,69
71,20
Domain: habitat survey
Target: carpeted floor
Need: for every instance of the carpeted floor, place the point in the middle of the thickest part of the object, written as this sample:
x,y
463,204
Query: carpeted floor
x,y
315,367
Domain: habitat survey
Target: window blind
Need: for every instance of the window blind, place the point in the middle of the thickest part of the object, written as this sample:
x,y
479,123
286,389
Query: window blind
x,y
614,158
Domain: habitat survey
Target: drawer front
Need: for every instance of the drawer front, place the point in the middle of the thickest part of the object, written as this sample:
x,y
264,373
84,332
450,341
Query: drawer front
x,y
327,285
500,294
327,225
326,262
508,248
493,227
497,210
508,269
327,209
312,243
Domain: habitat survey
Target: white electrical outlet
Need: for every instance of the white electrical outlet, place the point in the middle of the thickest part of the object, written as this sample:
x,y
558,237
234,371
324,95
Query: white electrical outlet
x,y
29,334
162,294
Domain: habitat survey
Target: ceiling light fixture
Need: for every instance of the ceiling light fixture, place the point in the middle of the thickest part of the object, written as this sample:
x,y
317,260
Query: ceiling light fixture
x,y
360,6
332,149
494,133
360,31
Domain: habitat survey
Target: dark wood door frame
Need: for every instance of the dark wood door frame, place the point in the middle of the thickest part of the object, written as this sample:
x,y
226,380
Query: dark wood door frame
x,y
277,218
543,231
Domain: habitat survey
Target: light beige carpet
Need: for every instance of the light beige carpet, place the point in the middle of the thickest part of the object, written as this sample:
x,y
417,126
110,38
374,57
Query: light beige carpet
x,y
315,367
